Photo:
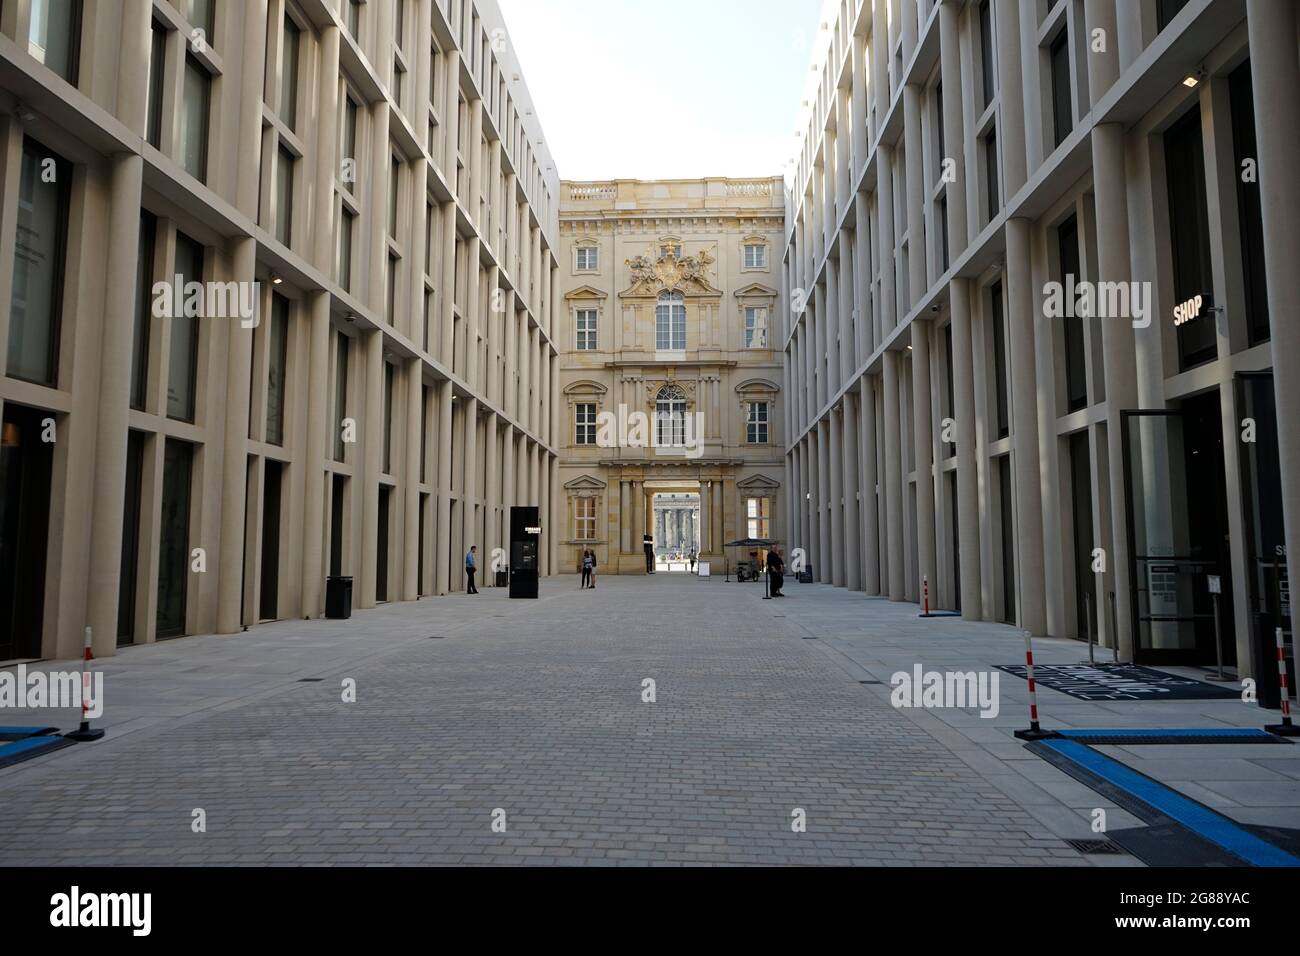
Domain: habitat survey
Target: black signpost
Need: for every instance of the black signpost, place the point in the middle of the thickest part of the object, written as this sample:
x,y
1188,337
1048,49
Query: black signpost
x,y
525,543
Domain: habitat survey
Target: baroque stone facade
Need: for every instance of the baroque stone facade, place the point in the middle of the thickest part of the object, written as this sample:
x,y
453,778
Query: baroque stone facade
x,y
669,381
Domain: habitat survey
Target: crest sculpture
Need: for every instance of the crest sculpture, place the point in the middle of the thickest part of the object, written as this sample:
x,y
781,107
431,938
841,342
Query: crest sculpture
x,y
671,273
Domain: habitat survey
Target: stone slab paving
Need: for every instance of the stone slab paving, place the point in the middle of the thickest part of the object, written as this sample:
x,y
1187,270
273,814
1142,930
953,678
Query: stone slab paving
x,y
535,708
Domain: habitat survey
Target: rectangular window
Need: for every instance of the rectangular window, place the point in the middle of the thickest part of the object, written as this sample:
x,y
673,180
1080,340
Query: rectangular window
x,y
585,423
938,124
756,424
130,566
999,360
943,232
1166,10
289,73
340,392
54,36
991,173
354,18
284,195
195,107
349,166
388,418
157,66
1062,108
1076,379
670,323
347,221
584,510
1249,213
143,309
391,294
394,184
757,517
174,537
949,447
755,256
199,13
986,51
277,367
587,258
36,300
586,330
1190,236
183,360
755,327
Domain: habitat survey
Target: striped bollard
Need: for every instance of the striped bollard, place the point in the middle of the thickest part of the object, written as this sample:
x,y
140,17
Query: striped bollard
x,y
85,732
1034,732
1286,728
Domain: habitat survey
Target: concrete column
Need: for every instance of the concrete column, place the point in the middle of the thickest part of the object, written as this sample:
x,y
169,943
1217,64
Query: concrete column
x,y
110,439
1024,428
834,430
868,508
1118,346
885,221
251,79
472,309
234,458
447,288
374,217
851,485
821,348
492,491
1276,79
509,495
317,442
1103,66
863,337
706,522
834,330
442,533
923,436
413,378
451,116
806,521
825,536
470,492
954,137
880,58
1011,113
327,145
893,479
794,500
963,385
916,251
372,441
719,518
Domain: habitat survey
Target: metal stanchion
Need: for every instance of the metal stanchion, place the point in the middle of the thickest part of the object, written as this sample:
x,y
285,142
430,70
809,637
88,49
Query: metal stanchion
x,y
1087,623
1215,586
85,732
1034,732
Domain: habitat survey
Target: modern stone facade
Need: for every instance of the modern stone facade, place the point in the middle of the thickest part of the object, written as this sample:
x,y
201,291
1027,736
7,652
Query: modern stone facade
x,y
668,291
948,427
376,169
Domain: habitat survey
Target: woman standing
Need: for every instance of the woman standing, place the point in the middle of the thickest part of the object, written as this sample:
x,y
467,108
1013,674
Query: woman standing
x,y
588,563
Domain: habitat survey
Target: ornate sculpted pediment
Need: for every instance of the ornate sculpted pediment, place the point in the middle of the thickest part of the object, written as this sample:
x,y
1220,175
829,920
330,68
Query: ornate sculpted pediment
x,y
653,274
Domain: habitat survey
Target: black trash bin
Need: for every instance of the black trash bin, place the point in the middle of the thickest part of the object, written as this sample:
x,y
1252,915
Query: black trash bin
x,y
338,596
806,575
503,578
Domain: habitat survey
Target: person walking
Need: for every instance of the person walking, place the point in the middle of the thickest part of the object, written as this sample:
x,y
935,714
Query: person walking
x,y
776,571
471,565
588,562
692,560
593,570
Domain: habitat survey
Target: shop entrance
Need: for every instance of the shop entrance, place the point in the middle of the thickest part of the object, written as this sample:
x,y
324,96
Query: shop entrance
x,y
1178,531
25,471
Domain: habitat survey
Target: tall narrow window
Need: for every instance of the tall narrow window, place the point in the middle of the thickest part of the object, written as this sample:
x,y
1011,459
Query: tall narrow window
x,y
289,73
54,35
284,195
354,18
143,309
340,392
587,258
938,127
584,511
390,294
277,367
949,447
986,51
388,418
394,184
1076,379
584,416
943,232
183,361
199,13
999,360
991,173
195,108
757,520
36,300
350,109
1190,236
755,255
586,330
755,327
756,424
670,417
347,222
1166,10
1062,107
174,537
670,322
157,67
1249,212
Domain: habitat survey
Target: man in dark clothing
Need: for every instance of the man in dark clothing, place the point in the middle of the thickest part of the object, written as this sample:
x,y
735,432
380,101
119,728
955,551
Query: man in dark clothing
x,y
776,571
647,543
471,565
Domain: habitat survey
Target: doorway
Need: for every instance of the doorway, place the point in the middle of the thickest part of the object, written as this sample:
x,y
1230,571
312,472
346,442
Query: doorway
x,y
270,587
26,466
174,537
1085,581
676,529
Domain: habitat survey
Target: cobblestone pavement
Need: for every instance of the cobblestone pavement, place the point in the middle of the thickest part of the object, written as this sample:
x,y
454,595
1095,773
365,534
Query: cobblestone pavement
x,y
531,708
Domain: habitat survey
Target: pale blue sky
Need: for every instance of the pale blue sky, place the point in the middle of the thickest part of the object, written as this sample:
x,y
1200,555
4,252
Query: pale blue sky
x,y
673,88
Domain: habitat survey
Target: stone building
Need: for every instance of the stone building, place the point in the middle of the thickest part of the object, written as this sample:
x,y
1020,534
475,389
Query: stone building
x,y
370,179
1041,354
670,382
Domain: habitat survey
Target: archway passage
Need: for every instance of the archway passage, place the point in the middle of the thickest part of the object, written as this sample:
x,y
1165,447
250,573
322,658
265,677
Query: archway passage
x,y
676,516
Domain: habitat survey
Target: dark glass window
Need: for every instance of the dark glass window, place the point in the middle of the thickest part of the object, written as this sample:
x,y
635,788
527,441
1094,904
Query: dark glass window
x,y
284,196
950,448
183,358
991,173
388,418
289,74
938,121
130,538
1076,379
1190,235
143,309
40,242
340,393
1248,206
986,51
1166,10
157,63
943,232
195,108
999,360
1062,110
174,537
54,35
277,366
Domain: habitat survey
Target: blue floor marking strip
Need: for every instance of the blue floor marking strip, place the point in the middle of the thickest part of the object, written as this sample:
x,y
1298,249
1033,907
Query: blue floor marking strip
x,y
1201,820
30,747
14,733
1235,732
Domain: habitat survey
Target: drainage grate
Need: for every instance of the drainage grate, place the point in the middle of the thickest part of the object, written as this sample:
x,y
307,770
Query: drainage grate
x,y
310,680
1092,847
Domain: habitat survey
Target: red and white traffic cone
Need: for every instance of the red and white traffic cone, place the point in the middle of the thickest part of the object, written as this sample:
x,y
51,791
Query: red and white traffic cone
x,y
1034,732
85,732
925,596
1286,728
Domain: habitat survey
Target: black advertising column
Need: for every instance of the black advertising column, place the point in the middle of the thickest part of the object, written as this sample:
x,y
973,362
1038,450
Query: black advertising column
x,y
525,542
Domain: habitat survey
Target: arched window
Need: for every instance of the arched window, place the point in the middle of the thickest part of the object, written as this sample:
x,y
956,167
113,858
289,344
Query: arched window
x,y
670,322
670,417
